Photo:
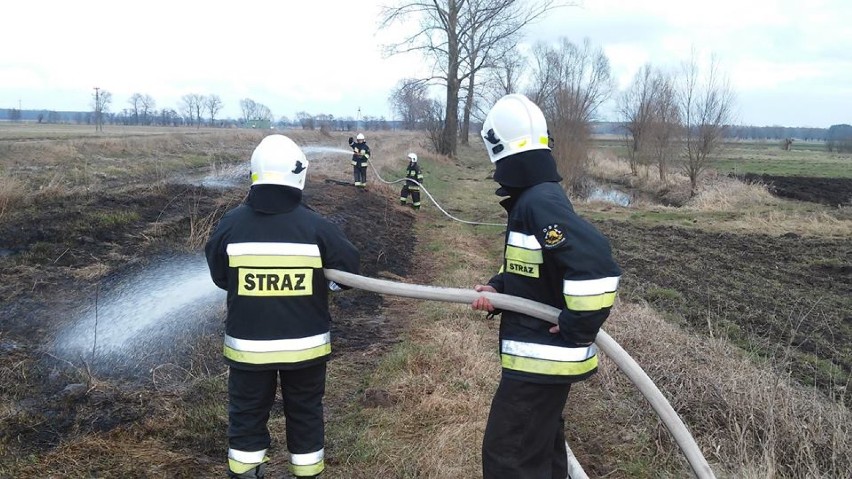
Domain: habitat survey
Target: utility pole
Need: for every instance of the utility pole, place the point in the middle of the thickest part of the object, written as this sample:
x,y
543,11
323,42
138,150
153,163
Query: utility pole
x,y
97,109
358,120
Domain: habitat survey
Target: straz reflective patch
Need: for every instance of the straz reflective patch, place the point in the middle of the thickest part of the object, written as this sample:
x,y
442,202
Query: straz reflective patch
x,y
524,269
275,282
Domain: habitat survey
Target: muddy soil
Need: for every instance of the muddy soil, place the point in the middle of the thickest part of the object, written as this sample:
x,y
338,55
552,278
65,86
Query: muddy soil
x,y
826,191
763,292
56,254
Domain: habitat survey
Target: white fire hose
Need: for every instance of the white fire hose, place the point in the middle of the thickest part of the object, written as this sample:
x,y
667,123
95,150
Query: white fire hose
x,y
550,314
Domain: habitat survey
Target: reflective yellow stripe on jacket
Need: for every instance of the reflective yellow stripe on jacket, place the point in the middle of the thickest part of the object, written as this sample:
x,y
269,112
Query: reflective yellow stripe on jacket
x,y
274,269
591,294
546,359
523,255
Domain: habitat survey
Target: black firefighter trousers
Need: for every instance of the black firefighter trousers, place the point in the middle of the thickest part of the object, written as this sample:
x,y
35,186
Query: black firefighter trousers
x,y
251,396
360,174
525,434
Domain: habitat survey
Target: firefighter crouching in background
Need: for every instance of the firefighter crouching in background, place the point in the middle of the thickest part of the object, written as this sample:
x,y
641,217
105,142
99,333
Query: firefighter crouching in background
x,y
413,172
554,257
269,254
360,156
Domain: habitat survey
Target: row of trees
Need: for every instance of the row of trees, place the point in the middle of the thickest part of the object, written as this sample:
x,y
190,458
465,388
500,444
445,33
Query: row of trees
x,y
473,48
194,110
668,116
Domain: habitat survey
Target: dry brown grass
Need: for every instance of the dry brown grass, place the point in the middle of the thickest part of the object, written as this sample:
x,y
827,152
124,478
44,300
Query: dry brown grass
x,y
441,382
12,193
722,193
749,418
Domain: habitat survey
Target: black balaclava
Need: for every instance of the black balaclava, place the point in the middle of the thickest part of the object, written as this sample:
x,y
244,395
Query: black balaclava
x,y
517,172
272,199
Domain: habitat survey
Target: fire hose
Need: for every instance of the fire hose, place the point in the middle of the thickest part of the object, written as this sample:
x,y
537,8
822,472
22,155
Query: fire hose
x,y
604,341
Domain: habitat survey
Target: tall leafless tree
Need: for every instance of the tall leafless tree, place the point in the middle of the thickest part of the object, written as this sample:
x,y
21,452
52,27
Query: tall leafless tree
x,y
457,36
101,99
636,108
306,120
706,102
495,30
192,105
213,105
570,83
665,125
248,107
148,105
135,102
504,78
410,101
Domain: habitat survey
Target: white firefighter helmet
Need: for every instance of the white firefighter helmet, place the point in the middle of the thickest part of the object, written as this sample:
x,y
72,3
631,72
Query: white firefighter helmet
x,y
412,157
513,125
277,160
360,137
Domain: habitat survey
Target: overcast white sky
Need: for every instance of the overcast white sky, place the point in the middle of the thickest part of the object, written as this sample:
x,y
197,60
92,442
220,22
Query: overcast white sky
x,y
790,62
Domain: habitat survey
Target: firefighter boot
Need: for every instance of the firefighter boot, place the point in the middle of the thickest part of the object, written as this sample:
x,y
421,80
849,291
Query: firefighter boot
x,y
258,472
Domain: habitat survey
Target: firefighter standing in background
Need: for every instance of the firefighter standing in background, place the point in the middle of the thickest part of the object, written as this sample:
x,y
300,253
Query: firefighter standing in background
x,y
554,257
269,254
360,156
413,172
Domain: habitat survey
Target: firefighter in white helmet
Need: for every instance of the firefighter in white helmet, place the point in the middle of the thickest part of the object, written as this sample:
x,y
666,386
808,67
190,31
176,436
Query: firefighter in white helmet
x,y
269,254
552,256
413,172
360,157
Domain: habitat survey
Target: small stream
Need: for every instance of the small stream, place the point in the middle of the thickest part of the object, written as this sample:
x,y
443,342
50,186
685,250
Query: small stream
x,y
609,194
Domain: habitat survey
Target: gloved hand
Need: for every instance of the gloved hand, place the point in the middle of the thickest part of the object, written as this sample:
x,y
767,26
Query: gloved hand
x,y
351,141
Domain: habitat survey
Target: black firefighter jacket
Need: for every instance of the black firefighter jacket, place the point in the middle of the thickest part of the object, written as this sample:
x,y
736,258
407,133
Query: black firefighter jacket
x,y
413,172
554,257
360,154
269,254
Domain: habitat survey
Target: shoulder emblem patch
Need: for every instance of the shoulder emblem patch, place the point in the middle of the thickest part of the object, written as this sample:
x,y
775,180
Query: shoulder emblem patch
x,y
553,236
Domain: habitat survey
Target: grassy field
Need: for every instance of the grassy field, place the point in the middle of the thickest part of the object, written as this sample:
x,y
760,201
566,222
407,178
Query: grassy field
x,y
411,400
766,157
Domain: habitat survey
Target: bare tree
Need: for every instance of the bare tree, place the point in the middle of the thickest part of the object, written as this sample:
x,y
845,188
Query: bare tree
x,y
706,101
409,100
458,37
248,107
263,113
148,105
435,122
504,78
199,108
306,120
135,102
213,105
570,83
636,108
494,31
101,99
191,107
665,125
